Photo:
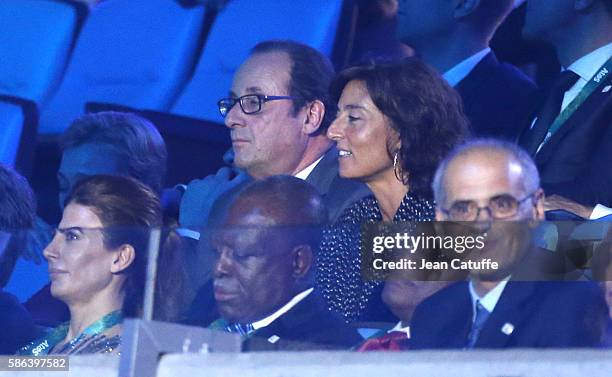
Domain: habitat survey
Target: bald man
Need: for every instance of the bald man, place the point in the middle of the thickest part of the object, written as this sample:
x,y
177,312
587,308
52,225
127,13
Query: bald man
x,y
494,187
263,269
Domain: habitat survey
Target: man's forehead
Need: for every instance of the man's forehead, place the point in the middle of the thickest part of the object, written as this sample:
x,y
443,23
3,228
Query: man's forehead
x,y
263,72
483,175
91,158
250,218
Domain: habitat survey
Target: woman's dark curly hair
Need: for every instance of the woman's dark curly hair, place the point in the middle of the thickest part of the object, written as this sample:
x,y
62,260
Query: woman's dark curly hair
x,y
419,104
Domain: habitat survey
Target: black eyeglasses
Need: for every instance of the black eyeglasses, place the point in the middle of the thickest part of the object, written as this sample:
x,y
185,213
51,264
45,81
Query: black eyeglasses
x,y
499,207
250,104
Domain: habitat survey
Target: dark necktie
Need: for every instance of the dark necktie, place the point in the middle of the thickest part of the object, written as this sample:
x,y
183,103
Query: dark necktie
x,y
549,112
481,317
240,328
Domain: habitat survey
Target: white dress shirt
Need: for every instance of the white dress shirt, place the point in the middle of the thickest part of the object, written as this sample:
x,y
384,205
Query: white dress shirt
x,y
586,67
284,309
400,328
303,174
489,301
460,71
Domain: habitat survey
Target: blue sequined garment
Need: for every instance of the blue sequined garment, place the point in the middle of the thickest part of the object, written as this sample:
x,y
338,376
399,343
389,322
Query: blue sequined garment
x,y
338,272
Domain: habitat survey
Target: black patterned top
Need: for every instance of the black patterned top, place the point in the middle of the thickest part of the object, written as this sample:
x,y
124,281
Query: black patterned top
x,y
338,272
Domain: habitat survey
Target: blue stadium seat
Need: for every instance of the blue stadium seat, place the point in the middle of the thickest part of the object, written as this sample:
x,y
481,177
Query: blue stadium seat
x,y
12,119
239,27
18,126
34,45
136,53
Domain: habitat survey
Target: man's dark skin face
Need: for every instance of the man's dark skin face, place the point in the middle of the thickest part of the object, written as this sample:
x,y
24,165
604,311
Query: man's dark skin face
x,y
256,271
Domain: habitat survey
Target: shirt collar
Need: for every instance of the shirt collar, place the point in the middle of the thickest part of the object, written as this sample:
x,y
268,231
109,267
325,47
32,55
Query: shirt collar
x,y
306,171
272,317
460,71
491,298
398,327
586,67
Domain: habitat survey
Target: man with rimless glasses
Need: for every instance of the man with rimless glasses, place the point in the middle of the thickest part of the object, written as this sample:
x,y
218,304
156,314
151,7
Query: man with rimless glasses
x,y
494,188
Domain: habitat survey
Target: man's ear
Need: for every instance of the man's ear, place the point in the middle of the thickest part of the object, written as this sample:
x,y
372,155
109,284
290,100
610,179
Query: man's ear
x,y
464,8
581,5
124,256
313,117
303,258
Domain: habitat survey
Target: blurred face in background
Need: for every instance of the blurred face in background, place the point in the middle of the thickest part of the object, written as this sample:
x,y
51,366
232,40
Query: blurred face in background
x,y
362,135
420,20
546,20
86,160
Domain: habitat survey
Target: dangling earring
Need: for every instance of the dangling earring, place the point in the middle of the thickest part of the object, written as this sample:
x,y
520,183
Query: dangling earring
x,y
397,168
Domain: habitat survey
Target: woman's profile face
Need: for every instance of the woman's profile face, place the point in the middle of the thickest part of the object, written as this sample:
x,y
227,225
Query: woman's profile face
x,y
79,263
362,135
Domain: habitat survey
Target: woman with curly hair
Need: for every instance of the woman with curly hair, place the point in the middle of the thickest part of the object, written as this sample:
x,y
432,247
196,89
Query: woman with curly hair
x,y
395,123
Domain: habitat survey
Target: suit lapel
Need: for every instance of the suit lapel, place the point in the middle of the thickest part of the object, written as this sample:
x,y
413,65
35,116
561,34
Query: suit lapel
x,y
526,134
581,118
477,78
320,176
509,314
454,329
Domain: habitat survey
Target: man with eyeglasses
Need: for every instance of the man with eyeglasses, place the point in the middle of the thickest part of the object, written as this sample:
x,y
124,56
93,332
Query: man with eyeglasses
x,y
494,188
278,111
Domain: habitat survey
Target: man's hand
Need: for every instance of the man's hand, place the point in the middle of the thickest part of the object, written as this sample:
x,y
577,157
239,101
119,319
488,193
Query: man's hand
x,y
201,194
555,202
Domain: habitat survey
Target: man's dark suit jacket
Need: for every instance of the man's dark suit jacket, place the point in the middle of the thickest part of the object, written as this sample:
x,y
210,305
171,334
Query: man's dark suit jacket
x,y
543,314
306,326
496,98
577,160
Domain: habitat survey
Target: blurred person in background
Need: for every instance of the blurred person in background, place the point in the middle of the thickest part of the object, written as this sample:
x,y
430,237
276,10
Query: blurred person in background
x,y
17,213
569,134
112,143
453,37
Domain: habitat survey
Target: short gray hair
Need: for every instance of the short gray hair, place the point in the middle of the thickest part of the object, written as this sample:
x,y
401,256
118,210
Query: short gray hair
x,y
135,138
531,181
